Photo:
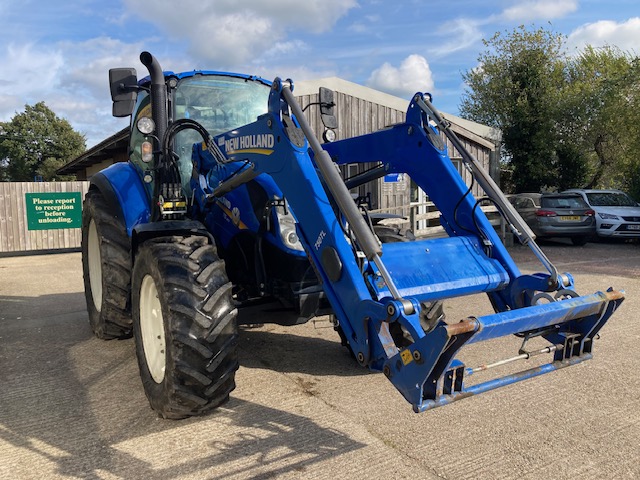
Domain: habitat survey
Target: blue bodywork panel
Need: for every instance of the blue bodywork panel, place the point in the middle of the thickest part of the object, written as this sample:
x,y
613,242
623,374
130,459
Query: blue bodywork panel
x,y
146,80
233,213
130,192
441,268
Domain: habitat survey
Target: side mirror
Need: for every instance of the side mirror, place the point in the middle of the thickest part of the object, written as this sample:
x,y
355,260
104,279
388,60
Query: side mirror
x,y
124,90
327,108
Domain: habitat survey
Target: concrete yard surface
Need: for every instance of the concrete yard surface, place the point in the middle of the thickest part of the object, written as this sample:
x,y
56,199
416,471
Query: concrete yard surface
x,y
72,406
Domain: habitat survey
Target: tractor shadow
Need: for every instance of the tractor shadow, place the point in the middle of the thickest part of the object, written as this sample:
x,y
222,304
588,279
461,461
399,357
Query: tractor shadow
x,y
73,406
297,349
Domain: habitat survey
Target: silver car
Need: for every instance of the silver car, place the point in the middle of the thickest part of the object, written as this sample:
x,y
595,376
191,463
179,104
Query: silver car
x,y
560,215
617,214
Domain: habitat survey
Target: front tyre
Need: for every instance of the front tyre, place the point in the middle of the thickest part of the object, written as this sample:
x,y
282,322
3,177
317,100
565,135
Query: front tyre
x,y
184,325
106,266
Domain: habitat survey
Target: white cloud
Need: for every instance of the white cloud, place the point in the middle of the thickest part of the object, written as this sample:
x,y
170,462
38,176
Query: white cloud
x,y
623,35
233,32
70,77
366,25
463,32
413,75
467,32
88,63
34,72
292,47
540,10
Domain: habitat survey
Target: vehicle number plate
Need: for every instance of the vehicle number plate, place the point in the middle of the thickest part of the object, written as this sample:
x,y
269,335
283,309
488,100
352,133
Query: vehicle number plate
x,y
633,227
570,218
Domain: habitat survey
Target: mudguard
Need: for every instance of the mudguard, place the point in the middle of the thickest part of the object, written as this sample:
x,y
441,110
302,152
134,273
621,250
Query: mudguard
x,y
125,194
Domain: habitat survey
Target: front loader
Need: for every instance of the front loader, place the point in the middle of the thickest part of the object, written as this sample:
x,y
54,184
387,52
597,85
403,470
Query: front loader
x,y
229,203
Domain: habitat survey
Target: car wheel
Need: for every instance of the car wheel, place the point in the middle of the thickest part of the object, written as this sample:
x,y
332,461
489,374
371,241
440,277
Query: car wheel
x,y
579,241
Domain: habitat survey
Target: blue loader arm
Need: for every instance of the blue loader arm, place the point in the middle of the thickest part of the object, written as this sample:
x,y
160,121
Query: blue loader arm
x,y
375,288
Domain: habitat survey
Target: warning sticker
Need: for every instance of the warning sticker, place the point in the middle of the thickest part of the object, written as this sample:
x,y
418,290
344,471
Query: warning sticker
x,y
406,356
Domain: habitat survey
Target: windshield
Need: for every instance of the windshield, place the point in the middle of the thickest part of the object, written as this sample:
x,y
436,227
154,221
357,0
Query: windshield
x,y
610,199
220,103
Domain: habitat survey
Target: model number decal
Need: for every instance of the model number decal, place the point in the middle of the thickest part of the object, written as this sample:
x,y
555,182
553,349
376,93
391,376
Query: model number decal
x,y
320,239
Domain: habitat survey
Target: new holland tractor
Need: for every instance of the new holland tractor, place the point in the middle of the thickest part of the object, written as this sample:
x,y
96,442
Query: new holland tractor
x,y
229,203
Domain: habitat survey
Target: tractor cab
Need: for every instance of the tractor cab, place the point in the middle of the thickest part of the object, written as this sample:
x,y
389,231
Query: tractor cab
x,y
219,101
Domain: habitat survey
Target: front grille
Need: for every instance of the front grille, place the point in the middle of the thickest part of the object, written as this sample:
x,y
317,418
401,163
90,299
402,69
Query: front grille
x,y
627,229
631,219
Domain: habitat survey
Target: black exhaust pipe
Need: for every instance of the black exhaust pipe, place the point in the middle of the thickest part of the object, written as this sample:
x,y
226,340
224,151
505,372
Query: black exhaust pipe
x,y
160,118
158,95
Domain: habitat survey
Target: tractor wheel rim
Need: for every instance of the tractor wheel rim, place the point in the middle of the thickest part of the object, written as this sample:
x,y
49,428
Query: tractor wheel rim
x,y
95,266
152,329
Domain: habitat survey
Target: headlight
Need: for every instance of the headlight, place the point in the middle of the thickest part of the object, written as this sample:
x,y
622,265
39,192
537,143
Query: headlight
x,y
288,234
608,216
146,125
329,135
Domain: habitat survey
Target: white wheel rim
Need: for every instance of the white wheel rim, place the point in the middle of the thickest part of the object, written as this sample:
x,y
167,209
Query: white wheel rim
x,y
95,266
152,329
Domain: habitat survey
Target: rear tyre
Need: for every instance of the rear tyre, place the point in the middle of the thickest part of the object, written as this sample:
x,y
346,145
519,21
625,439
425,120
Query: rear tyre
x,y
106,267
184,326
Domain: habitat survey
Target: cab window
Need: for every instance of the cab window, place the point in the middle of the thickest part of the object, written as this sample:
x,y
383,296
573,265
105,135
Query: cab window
x,y
219,103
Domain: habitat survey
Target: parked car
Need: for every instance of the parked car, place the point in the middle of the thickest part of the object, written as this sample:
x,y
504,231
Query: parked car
x,y
617,214
564,215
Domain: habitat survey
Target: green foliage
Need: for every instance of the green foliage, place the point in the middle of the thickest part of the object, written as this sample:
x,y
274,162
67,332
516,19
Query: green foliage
x,y
37,143
515,89
571,167
595,113
567,121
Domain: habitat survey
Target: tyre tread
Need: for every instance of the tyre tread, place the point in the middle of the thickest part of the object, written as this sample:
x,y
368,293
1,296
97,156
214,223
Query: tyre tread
x,y
202,333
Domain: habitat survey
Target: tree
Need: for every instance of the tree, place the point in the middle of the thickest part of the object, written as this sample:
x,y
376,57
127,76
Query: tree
x,y
567,121
36,143
597,114
515,90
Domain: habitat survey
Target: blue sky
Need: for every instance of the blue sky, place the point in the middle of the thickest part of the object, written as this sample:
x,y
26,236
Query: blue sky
x,y
60,52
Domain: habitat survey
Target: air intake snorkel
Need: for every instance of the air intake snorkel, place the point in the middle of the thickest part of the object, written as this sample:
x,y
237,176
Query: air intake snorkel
x,y
158,94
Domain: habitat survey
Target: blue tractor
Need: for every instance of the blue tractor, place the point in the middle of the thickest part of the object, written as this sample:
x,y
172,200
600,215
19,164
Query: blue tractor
x,y
229,204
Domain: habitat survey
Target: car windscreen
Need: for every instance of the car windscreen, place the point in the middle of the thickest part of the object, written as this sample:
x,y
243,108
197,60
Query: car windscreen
x,y
563,202
610,199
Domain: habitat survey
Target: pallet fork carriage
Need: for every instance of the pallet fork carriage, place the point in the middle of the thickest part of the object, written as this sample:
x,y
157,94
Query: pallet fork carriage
x,y
381,294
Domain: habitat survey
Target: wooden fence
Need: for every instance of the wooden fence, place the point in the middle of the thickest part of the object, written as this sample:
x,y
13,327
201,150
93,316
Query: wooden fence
x,y
40,215
427,224
34,216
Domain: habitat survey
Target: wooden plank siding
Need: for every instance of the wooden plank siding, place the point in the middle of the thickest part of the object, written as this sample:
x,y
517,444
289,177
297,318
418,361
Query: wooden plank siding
x,y
14,233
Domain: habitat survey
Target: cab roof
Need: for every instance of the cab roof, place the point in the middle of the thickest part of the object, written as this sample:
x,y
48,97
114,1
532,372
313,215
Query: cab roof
x,y
193,73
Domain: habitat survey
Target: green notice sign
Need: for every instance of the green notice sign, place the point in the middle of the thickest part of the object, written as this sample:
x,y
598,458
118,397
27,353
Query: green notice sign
x,y
47,211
